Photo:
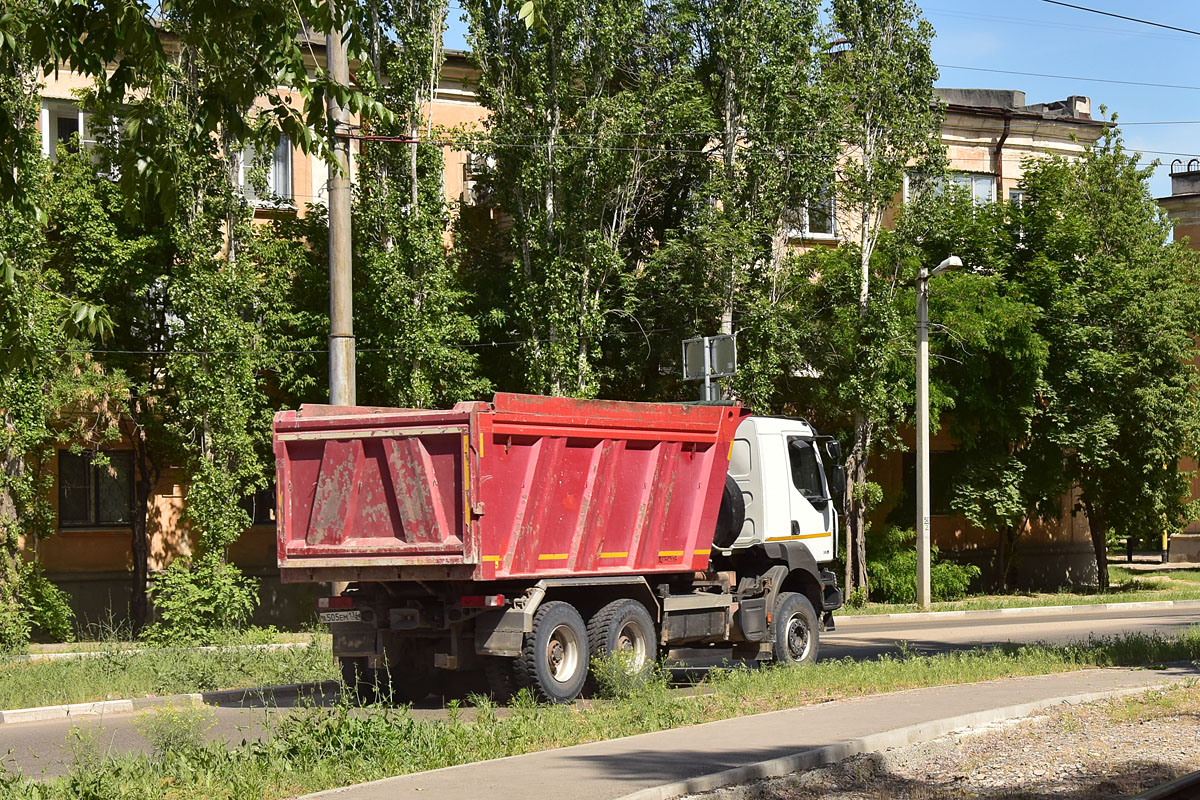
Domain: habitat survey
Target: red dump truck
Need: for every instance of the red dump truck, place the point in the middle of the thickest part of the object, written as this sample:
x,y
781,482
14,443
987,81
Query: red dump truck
x,y
522,537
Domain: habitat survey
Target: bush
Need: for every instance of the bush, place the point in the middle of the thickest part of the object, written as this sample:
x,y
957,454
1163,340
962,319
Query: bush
x,y
49,609
30,603
892,567
200,602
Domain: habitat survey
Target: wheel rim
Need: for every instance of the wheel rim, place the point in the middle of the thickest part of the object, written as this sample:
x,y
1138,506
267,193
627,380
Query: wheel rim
x,y
562,654
798,638
631,639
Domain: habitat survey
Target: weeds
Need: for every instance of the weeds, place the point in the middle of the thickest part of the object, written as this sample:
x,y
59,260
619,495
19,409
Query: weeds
x,y
318,748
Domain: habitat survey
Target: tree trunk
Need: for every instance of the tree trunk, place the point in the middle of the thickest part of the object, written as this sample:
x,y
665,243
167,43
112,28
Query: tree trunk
x,y
12,467
147,477
856,508
1098,527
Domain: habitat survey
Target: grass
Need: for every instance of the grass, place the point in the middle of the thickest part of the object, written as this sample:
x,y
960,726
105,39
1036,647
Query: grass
x,y
319,748
115,672
1126,586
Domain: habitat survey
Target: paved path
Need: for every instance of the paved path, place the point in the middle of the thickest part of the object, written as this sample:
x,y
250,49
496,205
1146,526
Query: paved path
x,y
615,768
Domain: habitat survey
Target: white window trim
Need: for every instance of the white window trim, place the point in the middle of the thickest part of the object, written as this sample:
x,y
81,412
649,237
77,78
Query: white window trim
x,y
245,158
53,110
803,232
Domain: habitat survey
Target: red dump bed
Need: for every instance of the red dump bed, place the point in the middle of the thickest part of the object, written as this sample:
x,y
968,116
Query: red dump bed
x,y
524,486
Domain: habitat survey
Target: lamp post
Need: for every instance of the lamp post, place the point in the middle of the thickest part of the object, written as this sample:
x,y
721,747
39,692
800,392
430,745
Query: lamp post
x,y
923,425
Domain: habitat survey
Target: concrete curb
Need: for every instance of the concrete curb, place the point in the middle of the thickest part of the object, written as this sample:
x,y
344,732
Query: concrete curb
x,y
36,657
851,620
101,708
899,737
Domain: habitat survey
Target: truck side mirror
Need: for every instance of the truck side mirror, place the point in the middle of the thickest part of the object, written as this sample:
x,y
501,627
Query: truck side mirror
x,y
837,480
833,449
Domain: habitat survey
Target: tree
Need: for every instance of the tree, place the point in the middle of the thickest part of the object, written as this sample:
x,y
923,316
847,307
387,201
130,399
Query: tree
x,y
891,124
132,49
411,315
1121,306
51,393
990,363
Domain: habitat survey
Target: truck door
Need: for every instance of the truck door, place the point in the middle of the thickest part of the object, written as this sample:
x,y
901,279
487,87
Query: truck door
x,y
813,516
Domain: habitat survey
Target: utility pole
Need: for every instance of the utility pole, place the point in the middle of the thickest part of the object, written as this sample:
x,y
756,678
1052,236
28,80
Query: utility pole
x,y
341,299
923,425
341,291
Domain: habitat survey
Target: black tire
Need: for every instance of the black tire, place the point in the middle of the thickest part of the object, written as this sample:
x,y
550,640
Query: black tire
x,y
794,623
502,674
360,682
624,625
554,661
732,515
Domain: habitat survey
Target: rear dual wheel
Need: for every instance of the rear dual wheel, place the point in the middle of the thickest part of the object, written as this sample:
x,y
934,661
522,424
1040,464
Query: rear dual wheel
x,y
554,660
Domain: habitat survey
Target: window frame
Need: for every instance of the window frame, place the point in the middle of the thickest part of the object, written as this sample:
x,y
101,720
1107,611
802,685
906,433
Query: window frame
x,y
804,229
93,521
281,155
794,441
261,506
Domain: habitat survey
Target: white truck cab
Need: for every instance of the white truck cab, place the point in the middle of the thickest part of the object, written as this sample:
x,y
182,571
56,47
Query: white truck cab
x,y
789,478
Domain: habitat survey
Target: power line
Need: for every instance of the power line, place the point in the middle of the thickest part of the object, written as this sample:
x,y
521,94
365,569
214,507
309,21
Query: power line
x,y
1122,16
1070,77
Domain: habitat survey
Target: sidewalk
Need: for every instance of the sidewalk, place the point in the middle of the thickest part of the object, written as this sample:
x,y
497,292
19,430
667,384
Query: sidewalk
x,y
619,767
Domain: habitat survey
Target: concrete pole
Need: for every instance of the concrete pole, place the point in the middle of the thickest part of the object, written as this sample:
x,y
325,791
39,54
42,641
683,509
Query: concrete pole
x,y
923,438
922,432
341,291
341,302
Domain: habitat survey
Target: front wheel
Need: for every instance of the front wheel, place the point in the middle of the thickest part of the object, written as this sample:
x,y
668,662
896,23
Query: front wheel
x,y
795,627
554,661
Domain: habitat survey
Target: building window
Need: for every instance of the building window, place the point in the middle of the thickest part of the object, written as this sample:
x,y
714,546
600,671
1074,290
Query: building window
x,y
476,189
260,506
817,220
981,187
94,494
1016,197
943,471
63,122
278,181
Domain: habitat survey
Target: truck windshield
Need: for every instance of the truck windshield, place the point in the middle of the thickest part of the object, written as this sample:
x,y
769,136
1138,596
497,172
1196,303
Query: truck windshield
x,y
806,470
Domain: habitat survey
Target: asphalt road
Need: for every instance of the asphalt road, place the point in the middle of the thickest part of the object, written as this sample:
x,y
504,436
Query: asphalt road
x,y
48,748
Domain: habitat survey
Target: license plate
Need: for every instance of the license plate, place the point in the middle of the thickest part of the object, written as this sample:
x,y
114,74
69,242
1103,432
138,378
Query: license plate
x,y
340,616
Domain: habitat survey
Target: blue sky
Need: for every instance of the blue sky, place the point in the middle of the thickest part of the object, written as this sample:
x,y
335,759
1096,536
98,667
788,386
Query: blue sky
x,y
1035,36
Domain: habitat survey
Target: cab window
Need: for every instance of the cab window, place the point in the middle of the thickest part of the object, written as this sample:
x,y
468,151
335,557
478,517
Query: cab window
x,y
806,469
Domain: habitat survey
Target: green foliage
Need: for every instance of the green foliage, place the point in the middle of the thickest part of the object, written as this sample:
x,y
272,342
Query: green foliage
x,y
200,602
892,563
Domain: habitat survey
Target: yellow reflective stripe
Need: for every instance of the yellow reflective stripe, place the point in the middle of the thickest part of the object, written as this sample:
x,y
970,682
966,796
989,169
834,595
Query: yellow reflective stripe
x,y
614,555
801,536
669,553
730,456
554,556
493,559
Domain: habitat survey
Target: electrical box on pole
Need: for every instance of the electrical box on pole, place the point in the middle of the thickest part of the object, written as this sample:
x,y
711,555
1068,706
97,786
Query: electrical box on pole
x,y
706,358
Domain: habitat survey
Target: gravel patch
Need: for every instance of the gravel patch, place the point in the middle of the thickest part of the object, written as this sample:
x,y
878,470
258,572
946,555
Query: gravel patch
x,y
1101,750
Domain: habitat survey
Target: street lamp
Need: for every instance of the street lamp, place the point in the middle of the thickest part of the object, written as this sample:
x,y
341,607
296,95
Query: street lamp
x,y
923,425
